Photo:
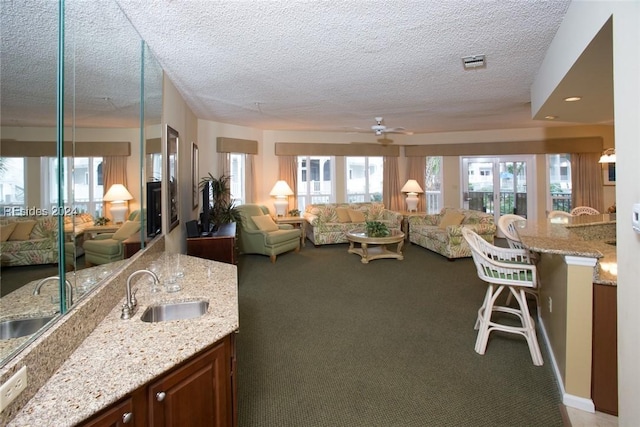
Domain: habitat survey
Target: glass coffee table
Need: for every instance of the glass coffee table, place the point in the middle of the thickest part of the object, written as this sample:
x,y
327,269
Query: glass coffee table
x,y
368,253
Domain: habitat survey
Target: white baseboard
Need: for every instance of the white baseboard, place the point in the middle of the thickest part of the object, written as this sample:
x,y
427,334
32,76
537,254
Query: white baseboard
x,y
570,400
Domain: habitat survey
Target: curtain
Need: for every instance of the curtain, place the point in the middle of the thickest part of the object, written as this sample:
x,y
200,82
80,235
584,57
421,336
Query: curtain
x,y
249,178
288,171
586,181
391,196
415,170
114,171
224,164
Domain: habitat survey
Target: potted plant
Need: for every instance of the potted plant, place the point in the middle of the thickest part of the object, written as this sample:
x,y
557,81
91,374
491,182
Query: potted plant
x,y
101,221
294,212
224,209
377,229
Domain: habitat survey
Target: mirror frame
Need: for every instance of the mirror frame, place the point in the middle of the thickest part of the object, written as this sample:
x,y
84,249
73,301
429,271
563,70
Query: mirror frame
x,y
173,206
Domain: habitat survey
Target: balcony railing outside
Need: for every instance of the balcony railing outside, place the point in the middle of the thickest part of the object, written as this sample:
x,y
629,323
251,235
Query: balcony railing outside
x,y
508,202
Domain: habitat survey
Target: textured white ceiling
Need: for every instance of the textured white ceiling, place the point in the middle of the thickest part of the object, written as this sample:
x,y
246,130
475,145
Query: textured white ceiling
x,y
300,65
319,65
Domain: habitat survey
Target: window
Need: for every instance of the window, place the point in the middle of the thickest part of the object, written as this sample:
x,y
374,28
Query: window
x,y
86,189
433,184
237,182
315,180
364,179
12,185
559,178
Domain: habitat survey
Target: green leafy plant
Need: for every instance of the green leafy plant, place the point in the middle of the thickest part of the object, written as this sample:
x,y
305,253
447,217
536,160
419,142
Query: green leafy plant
x,y
294,212
101,221
224,210
377,229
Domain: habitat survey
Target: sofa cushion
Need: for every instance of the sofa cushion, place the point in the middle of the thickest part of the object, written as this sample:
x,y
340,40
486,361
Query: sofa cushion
x,y
102,247
356,216
127,229
451,218
22,230
281,236
343,215
6,230
264,223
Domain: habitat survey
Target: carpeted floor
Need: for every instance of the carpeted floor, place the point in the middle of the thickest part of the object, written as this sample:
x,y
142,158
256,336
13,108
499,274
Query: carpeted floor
x,y
328,341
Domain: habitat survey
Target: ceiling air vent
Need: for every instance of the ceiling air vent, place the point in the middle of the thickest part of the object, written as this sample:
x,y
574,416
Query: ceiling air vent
x,y
474,61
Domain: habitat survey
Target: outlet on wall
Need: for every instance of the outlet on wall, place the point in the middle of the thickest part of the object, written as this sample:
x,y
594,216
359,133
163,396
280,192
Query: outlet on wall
x,y
13,387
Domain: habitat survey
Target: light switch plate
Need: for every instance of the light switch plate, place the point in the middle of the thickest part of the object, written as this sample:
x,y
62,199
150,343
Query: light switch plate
x,y
13,387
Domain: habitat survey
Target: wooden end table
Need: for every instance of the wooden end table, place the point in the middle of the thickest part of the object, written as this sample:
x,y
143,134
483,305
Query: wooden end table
x,y
377,252
296,221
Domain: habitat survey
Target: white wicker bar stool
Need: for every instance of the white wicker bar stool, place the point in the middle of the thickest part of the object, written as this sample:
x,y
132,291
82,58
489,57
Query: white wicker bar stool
x,y
504,269
584,210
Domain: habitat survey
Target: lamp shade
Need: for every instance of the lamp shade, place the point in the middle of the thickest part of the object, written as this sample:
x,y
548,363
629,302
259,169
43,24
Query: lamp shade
x,y
117,193
281,189
608,156
411,186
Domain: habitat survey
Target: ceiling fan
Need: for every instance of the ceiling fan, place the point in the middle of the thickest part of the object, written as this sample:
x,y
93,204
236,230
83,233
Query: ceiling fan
x,y
381,129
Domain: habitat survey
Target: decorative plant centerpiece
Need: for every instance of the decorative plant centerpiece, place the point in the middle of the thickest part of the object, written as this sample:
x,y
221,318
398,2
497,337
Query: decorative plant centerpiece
x,y
101,221
294,212
377,229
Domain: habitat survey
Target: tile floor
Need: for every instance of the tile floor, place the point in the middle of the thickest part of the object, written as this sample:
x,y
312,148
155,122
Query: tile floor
x,y
585,419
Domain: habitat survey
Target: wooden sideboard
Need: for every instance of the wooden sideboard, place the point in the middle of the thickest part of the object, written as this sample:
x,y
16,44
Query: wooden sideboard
x,y
220,246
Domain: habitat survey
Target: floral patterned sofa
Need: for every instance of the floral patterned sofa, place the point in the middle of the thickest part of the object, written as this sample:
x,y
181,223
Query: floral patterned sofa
x,y
442,233
29,240
327,223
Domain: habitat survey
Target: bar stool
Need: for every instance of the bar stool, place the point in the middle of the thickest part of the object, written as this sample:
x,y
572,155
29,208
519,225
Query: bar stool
x,y
504,269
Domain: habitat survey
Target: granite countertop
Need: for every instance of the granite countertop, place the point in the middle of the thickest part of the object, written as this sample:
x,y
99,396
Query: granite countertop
x,y
23,304
591,236
120,356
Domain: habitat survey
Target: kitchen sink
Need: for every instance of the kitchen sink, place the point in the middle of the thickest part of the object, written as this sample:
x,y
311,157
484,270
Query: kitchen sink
x,y
16,328
175,311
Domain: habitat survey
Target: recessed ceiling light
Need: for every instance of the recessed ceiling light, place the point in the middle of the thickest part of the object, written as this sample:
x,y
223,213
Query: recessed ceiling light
x,y
573,98
550,117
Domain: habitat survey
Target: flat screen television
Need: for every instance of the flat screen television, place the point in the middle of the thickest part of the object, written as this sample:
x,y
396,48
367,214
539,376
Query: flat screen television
x,y
205,216
154,208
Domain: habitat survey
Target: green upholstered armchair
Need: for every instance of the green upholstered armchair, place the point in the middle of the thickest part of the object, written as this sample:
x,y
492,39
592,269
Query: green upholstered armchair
x,y
108,247
264,236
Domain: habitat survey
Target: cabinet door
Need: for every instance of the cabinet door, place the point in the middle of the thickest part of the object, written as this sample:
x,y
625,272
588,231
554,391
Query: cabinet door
x,y
119,415
196,394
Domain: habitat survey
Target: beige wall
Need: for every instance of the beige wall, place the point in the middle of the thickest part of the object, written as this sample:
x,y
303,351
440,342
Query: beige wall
x,y
177,114
581,23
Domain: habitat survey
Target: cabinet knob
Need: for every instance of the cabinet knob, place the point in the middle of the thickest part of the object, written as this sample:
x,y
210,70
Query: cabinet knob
x,y
127,417
160,396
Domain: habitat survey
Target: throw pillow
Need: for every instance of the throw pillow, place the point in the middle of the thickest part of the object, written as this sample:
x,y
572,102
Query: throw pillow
x,y
343,215
451,218
356,216
6,230
22,230
127,229
265,223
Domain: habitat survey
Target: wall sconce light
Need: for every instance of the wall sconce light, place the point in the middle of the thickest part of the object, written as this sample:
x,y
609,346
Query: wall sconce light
x,y
608,156
412,188
281,191
118,195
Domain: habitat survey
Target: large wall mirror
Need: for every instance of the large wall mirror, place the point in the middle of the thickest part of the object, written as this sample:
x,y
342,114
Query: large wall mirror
x,y
56,171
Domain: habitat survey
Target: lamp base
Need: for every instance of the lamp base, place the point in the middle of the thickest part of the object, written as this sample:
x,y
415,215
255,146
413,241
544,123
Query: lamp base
x,y
281,206
118,212
412,202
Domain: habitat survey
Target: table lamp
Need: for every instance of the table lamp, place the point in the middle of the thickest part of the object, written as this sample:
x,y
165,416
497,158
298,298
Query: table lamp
x,y
281,191
118,195
412,188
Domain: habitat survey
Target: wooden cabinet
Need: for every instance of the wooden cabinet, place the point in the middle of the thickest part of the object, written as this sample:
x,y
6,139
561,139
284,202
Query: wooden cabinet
x,y
220,246
200,392
604,384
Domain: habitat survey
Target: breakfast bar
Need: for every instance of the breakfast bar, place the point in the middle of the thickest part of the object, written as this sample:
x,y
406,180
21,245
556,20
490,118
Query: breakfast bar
x,y
577,259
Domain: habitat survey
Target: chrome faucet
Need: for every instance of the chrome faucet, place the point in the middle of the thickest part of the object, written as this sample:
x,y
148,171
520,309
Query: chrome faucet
x,y
67,284
130,305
